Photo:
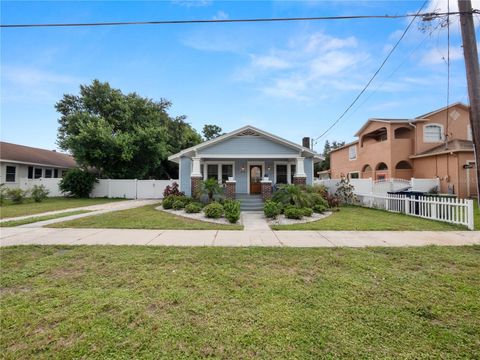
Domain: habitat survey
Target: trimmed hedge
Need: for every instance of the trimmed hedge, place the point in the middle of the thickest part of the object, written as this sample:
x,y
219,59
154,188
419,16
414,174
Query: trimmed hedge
x,y
232,210
193,208
214,210
307,211
272,209
292,212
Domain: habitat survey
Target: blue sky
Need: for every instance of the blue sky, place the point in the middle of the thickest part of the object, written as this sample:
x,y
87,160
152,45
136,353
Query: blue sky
x,y
292,79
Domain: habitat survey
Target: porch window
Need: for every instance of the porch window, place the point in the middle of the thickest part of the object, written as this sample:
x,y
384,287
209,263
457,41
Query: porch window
x,y
38,173
212,171
282,174
293,170
227,171
48,173
30,172
10,173
55,173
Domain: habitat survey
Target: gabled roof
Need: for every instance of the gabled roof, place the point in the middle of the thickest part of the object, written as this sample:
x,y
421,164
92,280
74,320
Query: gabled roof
x,y
458,103
345,146
455,145
29,155
243,129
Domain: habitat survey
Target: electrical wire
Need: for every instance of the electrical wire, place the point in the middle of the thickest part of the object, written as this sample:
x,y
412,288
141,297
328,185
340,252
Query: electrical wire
x,y
223,21
373,76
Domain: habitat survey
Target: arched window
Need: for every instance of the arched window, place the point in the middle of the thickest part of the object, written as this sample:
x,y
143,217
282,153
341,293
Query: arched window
x,y
382,166
433,133
403,165
366,168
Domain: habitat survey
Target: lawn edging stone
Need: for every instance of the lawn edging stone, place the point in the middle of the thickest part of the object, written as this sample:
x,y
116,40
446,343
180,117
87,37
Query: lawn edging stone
x,y
282,220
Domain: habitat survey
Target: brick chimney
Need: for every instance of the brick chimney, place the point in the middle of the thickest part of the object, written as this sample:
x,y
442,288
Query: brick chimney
x,y
306,142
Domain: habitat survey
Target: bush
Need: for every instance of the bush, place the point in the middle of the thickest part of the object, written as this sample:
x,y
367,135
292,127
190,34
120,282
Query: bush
x,y
193,208
319,208
292,212
272,209
77,183
307,211
345,192
232,210
213,210
3,193
181,200
39,193
290,194
333,201
318,189
17,195
172,190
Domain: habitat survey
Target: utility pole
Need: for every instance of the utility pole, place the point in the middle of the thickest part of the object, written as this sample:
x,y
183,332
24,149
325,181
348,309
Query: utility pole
x,y
473,77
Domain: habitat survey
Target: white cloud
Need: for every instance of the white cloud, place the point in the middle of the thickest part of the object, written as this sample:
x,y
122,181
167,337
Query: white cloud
x,y
439,55
443,6
269,62
192,3
220,15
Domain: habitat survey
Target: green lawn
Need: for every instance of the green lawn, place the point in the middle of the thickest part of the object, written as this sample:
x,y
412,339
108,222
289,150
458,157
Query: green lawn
x,y
29,207
361,218
40,218
106,302
145,217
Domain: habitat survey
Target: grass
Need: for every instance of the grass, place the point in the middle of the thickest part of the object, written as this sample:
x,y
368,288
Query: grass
x,y
163,302
40,218
364,219
29,207
145,217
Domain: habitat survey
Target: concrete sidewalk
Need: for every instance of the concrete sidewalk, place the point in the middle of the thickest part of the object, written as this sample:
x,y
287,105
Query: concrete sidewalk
x,y
48,236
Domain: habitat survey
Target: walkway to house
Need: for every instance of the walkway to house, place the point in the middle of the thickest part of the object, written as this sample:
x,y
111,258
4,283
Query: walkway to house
x,y
254,220
94,210
50,236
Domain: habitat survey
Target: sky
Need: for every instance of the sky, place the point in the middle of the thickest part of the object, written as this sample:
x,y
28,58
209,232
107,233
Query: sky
x,y
289,78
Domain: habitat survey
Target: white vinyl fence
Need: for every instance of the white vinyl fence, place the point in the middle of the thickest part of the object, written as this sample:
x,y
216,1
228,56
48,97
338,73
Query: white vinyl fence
x,y
374,194
451,210
111,188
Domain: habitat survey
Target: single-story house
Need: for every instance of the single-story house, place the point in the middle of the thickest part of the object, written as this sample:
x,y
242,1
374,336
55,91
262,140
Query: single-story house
x,y
24,162
247,161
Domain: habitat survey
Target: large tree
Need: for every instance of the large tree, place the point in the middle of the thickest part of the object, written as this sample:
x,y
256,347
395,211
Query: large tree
x,y
325,164
211,131
121,135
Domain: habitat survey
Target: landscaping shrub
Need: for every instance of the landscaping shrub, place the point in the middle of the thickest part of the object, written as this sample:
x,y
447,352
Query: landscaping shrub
x,y
345,192
333,201
17,195
178,205
290,194
77,183
210,188
3,193
318,189
292,212
319,208
232,210
272,209
213,210
181,200
173,189
39,193
306,211
193,208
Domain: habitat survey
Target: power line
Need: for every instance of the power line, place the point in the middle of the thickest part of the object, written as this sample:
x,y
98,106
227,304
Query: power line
x,y
374,75
210,21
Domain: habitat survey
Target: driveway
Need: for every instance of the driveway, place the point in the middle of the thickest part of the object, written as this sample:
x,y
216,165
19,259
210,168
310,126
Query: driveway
x,y
267,238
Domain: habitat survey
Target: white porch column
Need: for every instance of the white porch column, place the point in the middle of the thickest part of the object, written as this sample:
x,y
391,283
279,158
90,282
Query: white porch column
x,y
300,167
196,172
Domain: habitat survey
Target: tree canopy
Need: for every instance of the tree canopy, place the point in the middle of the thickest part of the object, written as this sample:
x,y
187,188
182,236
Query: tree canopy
x,y
211,131
325,164
122,135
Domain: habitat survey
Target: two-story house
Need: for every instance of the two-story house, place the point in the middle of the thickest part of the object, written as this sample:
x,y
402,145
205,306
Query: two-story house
x,y
436,144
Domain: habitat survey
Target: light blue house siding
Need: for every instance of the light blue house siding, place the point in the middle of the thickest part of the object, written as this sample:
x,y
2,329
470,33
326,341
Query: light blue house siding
x,y
185,168
253,145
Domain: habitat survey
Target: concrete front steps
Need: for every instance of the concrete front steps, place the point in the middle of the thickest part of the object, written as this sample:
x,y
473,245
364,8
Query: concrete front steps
x,y
250,202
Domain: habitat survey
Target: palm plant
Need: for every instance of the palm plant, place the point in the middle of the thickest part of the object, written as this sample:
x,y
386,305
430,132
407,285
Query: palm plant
x,y
290,194
211,188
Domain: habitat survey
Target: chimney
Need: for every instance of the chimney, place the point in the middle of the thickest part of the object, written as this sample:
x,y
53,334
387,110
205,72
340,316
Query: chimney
x,y
306,142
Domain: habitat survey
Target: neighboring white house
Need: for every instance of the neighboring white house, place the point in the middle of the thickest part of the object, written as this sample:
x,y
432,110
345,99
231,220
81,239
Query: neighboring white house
x,y
25,162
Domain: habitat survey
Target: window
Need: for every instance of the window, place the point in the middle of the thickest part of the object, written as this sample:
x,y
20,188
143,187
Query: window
x,y
227,171
354,175
469,133
55,173
352,152
30,172
48,173
38,173
293,170
432,133
282,174
10,172
212,171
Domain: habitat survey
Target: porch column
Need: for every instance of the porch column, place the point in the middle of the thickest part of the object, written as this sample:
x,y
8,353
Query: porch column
x,y
266,189
300,178
230,189
196,177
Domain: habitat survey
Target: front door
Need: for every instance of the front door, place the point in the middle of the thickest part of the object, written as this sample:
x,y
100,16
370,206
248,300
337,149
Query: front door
x,y
255,178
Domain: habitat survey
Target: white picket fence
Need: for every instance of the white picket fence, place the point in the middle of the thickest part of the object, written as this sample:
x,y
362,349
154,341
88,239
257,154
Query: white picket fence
x,y
451,210
111,188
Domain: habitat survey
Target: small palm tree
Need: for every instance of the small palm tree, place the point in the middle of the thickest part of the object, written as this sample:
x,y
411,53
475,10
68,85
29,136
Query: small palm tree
x,y
211,187
292,195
